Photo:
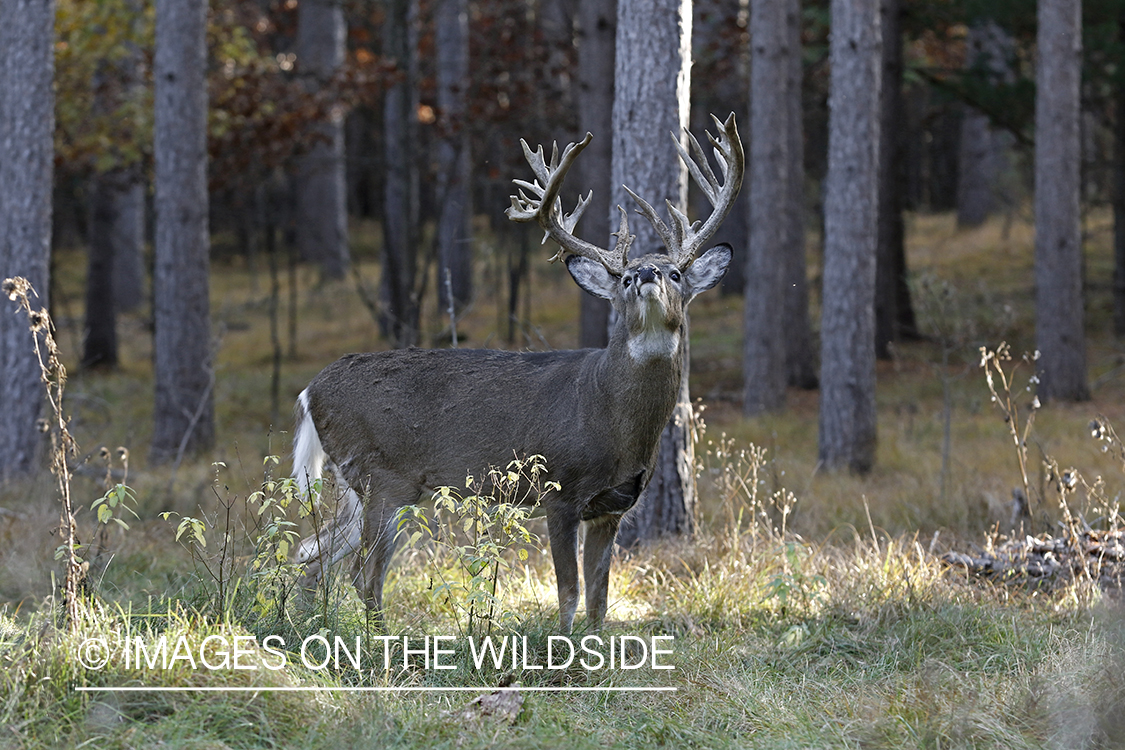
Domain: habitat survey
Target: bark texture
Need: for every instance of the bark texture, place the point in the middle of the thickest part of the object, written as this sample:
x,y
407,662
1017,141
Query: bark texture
x,y
1059,332
894,311
455,241
401,231
981,156
597,29
763,351
321,189
184,413
800,354
1119,199
651,98
99,341
128,240
27,120
847,375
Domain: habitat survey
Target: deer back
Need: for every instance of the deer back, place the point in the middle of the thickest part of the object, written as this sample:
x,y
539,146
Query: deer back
x,y
431,417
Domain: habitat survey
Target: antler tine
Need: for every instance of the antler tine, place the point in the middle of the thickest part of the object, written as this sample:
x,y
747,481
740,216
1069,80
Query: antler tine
x,y
728,152
683,238
624,239
545,206
646,210
698,166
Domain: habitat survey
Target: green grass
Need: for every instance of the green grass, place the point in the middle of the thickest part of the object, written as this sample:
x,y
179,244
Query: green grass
x,y
844,631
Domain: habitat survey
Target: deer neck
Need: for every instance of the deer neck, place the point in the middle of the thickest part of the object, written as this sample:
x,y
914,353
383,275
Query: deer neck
x,y
640,374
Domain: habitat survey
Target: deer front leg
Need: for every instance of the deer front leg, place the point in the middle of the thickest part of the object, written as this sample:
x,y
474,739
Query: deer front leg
x,y
562,530
338,537
388,494
370,570
600,535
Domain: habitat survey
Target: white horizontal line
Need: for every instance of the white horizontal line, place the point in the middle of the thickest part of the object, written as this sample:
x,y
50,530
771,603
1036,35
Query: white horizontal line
x,y
359,689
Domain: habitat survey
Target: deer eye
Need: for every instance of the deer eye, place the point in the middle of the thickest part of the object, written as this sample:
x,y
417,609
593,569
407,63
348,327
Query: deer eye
x,y
675,275
627,281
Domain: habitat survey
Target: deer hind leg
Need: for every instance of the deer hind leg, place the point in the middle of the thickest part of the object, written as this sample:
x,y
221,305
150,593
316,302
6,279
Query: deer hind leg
x,y
338,537
562,530
600,535
387,495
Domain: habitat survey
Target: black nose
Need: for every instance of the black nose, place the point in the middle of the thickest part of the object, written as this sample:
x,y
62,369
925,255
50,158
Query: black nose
x,y
647,273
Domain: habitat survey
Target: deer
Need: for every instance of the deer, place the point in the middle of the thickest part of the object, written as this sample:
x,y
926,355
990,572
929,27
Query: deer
x,y
398,424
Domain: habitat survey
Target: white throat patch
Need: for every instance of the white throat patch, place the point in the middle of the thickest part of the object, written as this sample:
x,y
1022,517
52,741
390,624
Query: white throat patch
x,y
656,344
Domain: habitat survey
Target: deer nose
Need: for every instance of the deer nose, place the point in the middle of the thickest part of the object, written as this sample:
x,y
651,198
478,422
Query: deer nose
x,y
646,274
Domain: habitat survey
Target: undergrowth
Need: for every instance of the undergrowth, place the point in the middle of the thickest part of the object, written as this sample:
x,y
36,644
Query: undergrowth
x,y
793,617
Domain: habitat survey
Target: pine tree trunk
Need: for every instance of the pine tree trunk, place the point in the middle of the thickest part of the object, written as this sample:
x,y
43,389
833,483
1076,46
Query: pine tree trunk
x,y
401,230
184,412
1059,331
800,355
597,29
651,98
321,189
128,240
763,352
976,170
99,340
455,241
847,374
894,314
982,147
1119,198
27,119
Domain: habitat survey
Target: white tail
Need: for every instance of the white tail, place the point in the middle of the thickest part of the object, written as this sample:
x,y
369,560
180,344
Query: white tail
x,y
344,531
397,423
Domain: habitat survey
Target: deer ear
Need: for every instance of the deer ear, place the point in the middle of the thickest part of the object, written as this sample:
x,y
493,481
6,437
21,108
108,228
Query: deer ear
x,y
592,276
709,268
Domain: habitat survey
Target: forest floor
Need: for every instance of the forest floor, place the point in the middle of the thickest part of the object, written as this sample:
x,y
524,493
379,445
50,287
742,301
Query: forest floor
x,y
811,609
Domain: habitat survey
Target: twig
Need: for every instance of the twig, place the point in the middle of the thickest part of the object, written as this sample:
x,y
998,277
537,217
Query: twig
x,y
52,374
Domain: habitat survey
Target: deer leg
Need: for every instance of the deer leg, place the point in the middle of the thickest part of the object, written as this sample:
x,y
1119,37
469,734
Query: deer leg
x,y
600,534
378,544
336,539
562,530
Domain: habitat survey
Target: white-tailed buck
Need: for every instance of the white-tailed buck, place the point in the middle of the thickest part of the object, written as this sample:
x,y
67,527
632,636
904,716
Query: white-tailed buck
x,y
397,424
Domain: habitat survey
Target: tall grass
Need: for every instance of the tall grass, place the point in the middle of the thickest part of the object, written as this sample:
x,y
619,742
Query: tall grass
x,y
811,610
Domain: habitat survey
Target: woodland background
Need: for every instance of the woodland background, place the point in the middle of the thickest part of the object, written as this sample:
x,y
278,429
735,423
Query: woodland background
x,y
344,167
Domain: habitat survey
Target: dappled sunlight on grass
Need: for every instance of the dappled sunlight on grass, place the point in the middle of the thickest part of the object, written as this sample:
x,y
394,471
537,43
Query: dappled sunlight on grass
x,y
820,618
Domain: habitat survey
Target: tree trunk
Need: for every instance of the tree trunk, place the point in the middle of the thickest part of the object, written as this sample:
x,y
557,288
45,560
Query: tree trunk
x,y
184,413
455,241
763,352
401,230
597,29
651,98
27,119
322,207
99,340
800,356
976,170
1119,198
1059,332
981,148
847,371
127,236
894,312
720,75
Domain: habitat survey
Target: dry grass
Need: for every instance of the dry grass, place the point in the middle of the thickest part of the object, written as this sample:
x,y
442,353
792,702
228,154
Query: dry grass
x,y
844,631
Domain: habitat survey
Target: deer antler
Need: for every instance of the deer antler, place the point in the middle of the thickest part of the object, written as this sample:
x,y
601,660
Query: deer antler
x,y
545,206
684,238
